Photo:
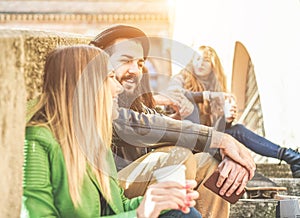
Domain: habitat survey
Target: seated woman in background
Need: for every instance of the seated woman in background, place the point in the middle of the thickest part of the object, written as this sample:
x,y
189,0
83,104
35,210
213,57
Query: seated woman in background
x,y
204,74
68,165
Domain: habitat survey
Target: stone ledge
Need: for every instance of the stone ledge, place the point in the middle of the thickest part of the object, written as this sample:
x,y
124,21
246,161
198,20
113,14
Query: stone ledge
x,y
34,46
293,185
265,208
22,59
258,208
274,170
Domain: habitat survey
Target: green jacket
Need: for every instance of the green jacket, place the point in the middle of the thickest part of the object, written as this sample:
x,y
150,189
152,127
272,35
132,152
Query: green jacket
x,y
45,184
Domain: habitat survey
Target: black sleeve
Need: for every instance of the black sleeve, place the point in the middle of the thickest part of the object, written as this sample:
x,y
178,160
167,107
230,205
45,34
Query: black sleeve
x,y
142,130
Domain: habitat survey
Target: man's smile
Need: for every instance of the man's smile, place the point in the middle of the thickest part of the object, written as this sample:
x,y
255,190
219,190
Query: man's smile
x,y
129,80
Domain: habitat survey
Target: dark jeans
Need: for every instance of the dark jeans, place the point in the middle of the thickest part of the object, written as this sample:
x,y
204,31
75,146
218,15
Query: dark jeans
x,y
254,142
251,140
178,214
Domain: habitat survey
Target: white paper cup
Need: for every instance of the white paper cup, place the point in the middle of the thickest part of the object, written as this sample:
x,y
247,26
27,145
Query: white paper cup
x,y
174,173
227,107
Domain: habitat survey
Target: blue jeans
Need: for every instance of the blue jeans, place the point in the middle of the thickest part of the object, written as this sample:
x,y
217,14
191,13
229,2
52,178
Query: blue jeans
x,y
254,142
178,214
251,140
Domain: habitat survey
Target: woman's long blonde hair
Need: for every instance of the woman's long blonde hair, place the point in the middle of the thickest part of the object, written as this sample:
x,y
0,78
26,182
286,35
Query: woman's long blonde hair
x,y
76,104
217,82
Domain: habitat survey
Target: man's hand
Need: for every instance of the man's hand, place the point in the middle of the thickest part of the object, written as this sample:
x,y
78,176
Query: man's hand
x,y
233,177
233,149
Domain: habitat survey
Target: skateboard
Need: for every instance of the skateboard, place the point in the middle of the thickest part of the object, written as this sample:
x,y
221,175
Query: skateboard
x,y
261,187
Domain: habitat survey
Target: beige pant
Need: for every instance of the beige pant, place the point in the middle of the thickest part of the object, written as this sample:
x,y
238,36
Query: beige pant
x,y
136,177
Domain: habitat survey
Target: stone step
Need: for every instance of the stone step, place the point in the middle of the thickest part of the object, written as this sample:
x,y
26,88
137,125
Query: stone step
x,y
274,170
265,208
292,185
257,208
281,175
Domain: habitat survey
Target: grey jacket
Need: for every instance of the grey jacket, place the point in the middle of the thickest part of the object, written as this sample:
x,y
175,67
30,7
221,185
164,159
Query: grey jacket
x,y
135,134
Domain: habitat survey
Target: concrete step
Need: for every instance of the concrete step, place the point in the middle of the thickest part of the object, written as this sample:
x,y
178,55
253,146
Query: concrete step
x,y
254,208
266,208
274,170
292,185
260,208
282,176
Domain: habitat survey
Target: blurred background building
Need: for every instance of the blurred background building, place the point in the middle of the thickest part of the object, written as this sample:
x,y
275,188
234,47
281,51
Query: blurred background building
x,y
90,17
257,41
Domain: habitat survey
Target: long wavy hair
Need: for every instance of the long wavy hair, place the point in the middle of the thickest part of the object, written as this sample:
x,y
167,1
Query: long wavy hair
x,y
76,104
215,82
145,95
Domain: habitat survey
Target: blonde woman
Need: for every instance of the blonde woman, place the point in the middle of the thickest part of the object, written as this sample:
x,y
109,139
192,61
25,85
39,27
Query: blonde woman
x,y
205,75
68,166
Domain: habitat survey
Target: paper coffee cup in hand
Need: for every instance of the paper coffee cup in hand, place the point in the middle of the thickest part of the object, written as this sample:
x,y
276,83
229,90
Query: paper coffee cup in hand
x,y
227,107
174,173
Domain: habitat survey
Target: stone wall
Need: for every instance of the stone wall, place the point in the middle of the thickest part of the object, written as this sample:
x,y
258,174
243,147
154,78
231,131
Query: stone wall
x,y
22,58
36,45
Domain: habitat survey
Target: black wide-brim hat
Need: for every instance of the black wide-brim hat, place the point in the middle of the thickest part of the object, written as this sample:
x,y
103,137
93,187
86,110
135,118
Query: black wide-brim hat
x,y
107,36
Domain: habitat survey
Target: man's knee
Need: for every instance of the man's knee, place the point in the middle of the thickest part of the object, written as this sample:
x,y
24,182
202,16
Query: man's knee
x,y
139,173
206,164
180,155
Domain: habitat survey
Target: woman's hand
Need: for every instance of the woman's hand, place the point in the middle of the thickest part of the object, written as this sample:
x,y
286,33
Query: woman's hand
x,y
167,195
177,100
